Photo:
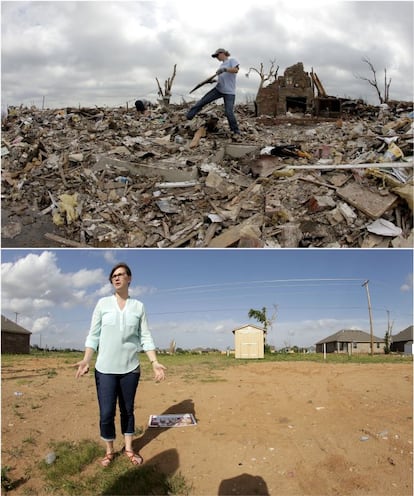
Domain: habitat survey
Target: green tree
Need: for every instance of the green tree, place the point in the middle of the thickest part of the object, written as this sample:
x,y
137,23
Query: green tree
x,y
261,316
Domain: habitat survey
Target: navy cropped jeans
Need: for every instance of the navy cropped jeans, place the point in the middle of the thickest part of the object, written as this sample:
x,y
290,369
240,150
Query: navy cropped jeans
x,y
215,94
112,388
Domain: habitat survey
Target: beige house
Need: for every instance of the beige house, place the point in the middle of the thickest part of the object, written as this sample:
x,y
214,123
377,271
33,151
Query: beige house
x,y
403,341
349,341
249,341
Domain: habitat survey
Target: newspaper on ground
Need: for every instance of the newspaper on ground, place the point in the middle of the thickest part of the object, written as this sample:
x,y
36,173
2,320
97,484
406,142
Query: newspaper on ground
x,y
172,420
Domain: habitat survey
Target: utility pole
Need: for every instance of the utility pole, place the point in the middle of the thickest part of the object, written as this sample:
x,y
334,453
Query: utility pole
x,y
17,313
370,317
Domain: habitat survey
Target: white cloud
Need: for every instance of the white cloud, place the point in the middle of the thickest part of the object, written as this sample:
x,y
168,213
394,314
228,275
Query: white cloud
x,y
35,283
107,53
110,257
408,284
195,333
41,324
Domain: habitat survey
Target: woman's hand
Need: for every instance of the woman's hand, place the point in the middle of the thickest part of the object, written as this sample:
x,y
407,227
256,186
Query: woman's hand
x,y
159,369
83,368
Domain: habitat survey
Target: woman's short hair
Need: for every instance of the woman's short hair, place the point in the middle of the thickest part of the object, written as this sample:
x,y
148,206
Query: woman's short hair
x,y
119,266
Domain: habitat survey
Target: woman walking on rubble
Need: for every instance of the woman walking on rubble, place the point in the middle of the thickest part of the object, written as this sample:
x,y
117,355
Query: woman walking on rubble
x,y
225,88
119,329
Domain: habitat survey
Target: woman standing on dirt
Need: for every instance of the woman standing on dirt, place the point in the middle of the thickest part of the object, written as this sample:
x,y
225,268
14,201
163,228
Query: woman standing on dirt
x,y
118,330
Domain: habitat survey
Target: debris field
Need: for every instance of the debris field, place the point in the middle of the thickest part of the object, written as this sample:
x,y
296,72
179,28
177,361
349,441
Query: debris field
x,y
109,178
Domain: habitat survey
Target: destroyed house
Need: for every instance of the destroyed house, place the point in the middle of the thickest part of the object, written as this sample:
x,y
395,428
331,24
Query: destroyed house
x,y
296,92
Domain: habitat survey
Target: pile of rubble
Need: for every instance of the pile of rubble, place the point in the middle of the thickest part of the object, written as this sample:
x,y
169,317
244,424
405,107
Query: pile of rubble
x,y
109,178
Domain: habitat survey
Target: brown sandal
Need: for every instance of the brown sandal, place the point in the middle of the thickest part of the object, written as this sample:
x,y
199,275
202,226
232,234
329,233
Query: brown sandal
x,y
108,459
135,458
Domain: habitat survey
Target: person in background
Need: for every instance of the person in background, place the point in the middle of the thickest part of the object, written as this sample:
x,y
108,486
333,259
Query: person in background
x,y
119,330
143,107
225,88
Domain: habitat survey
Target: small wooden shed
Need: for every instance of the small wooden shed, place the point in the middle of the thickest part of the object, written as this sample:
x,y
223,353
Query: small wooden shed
x,y
249,341
14,338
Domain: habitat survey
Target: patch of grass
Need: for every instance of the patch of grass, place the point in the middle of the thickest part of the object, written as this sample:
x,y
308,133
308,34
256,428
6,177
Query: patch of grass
x,y
139,430
336,358
76,472
28,491
211,378
30,440
15,452
51,373
148,480
23,382
6,482
71,460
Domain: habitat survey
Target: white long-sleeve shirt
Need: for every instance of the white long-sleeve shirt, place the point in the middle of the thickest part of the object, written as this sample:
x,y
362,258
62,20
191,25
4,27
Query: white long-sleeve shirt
x,y
118,335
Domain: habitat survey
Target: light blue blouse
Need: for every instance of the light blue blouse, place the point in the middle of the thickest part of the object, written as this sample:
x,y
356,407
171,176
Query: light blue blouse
x,y
118,335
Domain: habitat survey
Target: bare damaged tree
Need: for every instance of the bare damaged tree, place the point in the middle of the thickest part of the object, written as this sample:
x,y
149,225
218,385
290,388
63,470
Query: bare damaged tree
x,y
166,94
374,83
269,77
172,348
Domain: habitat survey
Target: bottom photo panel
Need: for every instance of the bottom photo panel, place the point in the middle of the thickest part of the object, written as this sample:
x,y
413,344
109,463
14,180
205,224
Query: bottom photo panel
x,y
293,368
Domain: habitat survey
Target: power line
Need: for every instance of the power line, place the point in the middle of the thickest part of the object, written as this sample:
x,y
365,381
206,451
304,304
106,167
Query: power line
x,y
227,284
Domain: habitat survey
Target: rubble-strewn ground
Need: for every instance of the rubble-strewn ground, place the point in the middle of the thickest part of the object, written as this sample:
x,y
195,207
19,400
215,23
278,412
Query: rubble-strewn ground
x,y
107,178
270,428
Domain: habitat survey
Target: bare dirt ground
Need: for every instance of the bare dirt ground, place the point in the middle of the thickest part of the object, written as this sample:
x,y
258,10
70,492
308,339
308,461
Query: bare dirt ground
x,y
281,428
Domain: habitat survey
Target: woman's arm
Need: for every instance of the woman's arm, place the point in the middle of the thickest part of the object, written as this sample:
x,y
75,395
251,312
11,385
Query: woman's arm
x,y
83,365
157,367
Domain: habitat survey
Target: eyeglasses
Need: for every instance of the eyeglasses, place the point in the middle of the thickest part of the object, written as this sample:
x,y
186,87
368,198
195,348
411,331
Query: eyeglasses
x,y
115,276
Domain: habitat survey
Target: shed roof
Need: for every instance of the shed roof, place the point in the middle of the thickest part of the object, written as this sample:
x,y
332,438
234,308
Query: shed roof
x,y
350,336
248,325
8,325
405,335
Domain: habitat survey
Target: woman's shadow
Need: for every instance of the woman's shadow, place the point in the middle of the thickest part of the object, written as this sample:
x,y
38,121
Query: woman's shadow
x,y
243,484
151,433
155,477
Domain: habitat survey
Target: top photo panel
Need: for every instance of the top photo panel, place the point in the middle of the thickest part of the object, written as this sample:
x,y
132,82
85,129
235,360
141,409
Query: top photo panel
x,y
140,133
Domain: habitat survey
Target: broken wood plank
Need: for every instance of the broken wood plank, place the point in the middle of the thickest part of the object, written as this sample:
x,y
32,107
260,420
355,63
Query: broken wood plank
x,y
200,133
232,235
169,172
209,235
319,183
64,241
182,236
177,184
384,165
370,203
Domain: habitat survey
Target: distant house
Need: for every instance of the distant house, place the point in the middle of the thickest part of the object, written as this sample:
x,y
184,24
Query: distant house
x,y
403,341
350,341
249,342
14,338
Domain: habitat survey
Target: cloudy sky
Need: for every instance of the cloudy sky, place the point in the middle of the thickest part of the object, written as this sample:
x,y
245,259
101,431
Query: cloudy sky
x,y
197,297
109,53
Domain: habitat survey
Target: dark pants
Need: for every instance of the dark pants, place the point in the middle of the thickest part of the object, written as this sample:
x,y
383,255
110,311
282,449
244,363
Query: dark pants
x,y
209,97
139,105
112,388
